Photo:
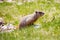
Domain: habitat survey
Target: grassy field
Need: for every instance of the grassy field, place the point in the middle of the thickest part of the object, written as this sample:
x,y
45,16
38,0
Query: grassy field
x,y
50,22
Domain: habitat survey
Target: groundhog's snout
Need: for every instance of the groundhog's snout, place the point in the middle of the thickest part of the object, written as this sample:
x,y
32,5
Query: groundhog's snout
x,y
41,13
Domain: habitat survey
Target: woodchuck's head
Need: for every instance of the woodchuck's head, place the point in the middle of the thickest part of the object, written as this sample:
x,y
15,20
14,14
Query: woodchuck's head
x,y
38,13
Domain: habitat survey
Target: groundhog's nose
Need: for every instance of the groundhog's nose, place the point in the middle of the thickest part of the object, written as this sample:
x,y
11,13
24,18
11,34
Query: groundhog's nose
x,y
42,13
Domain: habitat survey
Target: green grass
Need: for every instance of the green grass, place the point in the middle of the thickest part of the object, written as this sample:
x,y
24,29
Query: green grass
x,y
50,22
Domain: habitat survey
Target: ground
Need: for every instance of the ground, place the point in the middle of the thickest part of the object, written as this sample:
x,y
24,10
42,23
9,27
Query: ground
x,y
50,22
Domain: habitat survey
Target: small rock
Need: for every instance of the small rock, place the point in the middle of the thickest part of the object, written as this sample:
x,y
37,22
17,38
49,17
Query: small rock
x,y
7,28
37,26
10,26
4,27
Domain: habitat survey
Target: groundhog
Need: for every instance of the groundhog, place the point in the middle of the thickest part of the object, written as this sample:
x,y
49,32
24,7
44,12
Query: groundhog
x,y
30,19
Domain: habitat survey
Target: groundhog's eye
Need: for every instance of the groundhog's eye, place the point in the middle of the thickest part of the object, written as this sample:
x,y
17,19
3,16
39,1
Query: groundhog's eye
x,y
36,12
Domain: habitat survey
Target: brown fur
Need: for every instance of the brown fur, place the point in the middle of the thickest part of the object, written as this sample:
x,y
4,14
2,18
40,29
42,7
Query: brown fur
x,y
30,19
